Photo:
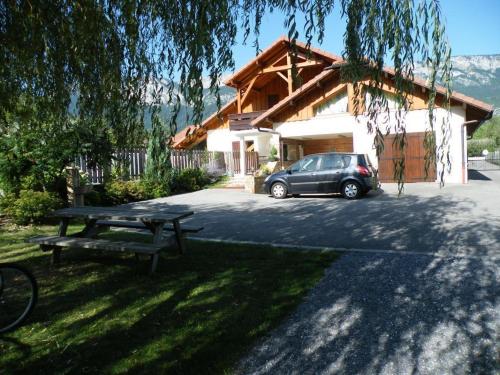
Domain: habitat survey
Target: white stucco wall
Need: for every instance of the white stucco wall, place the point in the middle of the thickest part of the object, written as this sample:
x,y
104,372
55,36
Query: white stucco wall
x,y
220,140
317,126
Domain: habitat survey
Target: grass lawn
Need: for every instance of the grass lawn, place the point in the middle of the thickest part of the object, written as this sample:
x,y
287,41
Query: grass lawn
x,y
102,313
220,183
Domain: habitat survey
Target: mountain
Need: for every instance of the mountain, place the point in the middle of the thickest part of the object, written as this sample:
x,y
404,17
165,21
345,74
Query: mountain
x,y
226,94
477,76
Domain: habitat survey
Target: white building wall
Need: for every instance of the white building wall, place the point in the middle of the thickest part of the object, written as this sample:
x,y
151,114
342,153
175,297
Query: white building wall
x,y
220,140
317,126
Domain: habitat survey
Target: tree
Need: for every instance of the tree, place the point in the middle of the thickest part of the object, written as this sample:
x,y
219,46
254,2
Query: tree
x,y
158,167
106,56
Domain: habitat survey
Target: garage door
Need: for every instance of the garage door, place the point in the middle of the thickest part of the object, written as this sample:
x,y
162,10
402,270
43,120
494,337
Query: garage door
x,y
414,160
315,146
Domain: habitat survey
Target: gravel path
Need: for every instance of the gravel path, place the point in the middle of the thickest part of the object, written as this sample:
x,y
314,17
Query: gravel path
x,y
391,314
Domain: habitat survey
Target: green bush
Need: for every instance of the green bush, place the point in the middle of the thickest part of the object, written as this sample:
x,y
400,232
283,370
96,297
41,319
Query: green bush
x,y
155,189
120,192
30,207
489,130
116,192
475,147
188,180
273,154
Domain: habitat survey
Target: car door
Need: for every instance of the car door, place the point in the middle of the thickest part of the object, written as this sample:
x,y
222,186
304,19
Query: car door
x,y
330,172
302,175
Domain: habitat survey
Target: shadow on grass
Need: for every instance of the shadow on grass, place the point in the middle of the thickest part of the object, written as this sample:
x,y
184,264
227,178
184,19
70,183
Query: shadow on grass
x,y
197,314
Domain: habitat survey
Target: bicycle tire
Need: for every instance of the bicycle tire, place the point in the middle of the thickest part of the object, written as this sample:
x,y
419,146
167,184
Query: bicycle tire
x,y
33,298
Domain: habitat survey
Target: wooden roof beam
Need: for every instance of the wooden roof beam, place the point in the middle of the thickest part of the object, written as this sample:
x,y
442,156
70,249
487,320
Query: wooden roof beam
x,y
280,68
248,90
307,57
282,76
289,74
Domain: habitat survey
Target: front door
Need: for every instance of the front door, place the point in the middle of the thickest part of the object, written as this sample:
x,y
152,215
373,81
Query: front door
x,y
303,175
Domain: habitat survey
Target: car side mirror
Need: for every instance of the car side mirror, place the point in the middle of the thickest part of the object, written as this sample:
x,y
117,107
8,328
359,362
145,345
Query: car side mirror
x,y
289,171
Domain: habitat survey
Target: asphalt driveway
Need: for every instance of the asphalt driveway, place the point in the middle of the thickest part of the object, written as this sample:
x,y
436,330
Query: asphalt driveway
x,y
456,219
426,301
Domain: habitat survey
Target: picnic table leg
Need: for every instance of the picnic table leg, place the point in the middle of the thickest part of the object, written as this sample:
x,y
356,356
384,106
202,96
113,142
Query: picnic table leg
x,y
56,251
179,237
154,262
90,230
157,238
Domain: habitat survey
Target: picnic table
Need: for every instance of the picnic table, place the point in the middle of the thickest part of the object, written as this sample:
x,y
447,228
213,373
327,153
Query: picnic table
x,y
98,219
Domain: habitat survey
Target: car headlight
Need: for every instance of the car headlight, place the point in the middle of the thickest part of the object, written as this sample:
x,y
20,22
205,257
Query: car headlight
x,y
267,178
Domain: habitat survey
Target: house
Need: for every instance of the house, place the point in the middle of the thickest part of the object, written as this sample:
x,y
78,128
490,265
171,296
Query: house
x,y
317,114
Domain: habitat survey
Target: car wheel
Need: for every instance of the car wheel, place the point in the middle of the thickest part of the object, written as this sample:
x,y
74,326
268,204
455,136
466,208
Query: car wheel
x,y
351,190
279,190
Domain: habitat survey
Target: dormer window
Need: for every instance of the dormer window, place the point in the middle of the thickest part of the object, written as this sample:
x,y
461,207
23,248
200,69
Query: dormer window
x,y
335,105
392,102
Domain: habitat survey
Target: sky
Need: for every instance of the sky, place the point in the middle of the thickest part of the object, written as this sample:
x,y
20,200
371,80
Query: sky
x,y
473,28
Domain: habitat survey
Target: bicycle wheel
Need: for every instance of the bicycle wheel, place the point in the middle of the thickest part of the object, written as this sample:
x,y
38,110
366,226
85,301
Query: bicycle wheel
x,y
18,296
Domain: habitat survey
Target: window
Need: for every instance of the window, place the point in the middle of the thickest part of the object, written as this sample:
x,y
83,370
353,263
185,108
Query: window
x,y
285,151
308,164
272,100
334,162
391,102
290,152
337,104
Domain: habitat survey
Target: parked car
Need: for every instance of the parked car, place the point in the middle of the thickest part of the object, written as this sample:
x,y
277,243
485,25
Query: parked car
x,y
351,175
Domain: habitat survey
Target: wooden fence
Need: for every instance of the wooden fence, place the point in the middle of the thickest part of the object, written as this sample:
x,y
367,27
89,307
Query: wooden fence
x,y
133,163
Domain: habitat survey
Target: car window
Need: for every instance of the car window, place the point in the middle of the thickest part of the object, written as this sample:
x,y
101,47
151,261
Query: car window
x,y
308,164
335,162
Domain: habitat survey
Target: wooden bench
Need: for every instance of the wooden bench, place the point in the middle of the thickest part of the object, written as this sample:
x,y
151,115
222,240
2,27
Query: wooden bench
x,y
137,225
55,243
153,220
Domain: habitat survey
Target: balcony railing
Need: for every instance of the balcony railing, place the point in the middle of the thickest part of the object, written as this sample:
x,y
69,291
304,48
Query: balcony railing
x,y
241,121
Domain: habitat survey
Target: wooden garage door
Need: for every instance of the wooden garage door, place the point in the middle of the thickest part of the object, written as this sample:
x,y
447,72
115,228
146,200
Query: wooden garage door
x,y
328,145
414,160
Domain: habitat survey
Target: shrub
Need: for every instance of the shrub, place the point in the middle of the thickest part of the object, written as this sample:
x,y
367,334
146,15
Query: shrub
x,y
30,207
116,192
120,192
188,180
475,147
156,189
264,170
273,154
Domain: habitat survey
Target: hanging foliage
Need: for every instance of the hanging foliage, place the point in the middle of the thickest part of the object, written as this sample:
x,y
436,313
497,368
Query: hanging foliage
x,y
103,60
